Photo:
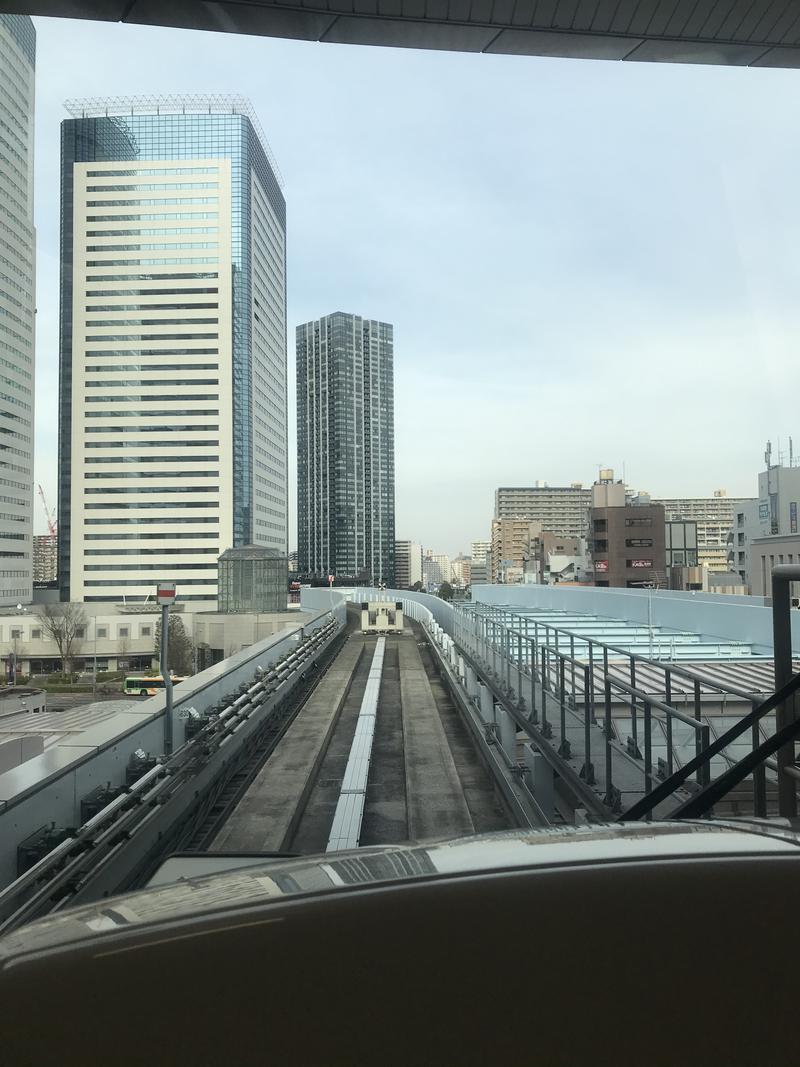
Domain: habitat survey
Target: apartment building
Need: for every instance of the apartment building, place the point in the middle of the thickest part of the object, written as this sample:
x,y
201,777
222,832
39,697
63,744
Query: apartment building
x,y
562,509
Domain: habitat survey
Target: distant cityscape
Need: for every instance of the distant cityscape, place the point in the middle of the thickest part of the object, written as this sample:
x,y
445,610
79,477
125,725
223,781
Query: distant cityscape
x,y
608,535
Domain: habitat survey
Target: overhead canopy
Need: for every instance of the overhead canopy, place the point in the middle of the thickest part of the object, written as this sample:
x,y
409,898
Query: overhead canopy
x,y
762,33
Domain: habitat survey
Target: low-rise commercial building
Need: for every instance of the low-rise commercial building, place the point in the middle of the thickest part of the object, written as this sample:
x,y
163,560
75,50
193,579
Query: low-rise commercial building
x,y
217,636
119,637
628,539
561,559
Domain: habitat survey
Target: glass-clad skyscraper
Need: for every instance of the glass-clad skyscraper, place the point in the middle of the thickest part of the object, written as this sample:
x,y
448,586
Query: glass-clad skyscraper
x,y
17,306
345,448
172,430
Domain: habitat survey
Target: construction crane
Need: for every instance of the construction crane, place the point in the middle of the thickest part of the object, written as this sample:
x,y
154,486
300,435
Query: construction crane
x,y
52,524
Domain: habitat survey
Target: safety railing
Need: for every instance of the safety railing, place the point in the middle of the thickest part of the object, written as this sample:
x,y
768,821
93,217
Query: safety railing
x,y
563,678
757,759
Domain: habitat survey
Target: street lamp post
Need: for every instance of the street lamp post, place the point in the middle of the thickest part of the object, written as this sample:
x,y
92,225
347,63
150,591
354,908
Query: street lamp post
x,y
165,596
20,611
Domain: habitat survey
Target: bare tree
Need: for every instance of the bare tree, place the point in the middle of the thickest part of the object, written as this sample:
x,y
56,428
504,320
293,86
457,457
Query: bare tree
x,y
65,624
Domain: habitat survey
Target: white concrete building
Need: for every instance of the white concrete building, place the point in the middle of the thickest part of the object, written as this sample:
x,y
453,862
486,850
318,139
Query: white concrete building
x,y
173,425
407,564
481,562
17,307
122,637
435,570
461,571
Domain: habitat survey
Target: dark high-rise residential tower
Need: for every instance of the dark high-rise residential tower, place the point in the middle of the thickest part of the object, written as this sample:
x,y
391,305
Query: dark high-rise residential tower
x,y
345,448
172,429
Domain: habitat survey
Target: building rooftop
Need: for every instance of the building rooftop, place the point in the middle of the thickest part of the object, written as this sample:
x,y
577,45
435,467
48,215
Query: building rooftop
x,y
252,552
220,103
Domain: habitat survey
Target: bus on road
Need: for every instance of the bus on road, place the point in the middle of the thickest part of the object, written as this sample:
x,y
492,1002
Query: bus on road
x,y
146,685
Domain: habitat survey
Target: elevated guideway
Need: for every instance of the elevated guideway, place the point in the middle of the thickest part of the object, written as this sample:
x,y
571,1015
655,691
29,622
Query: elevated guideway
x,y
368,760
484,715
581,720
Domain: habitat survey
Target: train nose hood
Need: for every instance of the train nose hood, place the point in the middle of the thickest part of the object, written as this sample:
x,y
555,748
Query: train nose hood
x,y
183,886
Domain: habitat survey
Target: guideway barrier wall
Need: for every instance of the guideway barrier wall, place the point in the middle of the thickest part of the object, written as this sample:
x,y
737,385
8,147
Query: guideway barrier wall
x,y
40,793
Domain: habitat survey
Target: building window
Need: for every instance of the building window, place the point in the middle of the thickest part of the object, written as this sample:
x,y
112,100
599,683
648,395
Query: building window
x,y
601,546
15,634
102,631
124,631
638,522
146,631
638,542
36,635
80,632
600,526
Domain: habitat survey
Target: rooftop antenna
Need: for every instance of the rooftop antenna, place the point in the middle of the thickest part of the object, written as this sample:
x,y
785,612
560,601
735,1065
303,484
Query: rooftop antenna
x,y
768,455
791,453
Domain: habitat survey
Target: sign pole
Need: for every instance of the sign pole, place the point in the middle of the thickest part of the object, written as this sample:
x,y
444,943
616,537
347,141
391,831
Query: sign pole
x,y
165,595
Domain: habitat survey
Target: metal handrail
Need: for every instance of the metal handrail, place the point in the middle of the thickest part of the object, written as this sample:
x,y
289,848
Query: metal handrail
x,y
685,672
502,632
661,792
703,801
696,724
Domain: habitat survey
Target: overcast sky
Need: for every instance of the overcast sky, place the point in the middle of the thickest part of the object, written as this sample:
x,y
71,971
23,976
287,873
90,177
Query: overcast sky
x,y
586,263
